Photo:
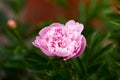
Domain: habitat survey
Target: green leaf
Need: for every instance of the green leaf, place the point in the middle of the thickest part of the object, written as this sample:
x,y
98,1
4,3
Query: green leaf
x,y
101,39
92,7
82,13
103,52
16,5
11,36
62,3
112,25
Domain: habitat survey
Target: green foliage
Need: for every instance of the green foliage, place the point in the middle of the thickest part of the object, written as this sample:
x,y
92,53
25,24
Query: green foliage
x,y
62,3
82,16
20,60
15,5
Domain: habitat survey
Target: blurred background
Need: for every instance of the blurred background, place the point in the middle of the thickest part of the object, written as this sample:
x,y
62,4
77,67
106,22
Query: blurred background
x,y
21,20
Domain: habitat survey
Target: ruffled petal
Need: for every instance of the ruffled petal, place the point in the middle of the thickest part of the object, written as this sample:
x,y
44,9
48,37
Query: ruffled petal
x,y
46,52
62,54
56,25
36,42
72,25
44,31
83,45
80,50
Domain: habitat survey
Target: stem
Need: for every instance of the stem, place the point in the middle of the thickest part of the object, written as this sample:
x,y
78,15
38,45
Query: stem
x,y
72,70
19,37
62,64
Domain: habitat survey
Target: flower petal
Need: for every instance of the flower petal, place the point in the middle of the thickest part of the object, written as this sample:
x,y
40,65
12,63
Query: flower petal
x,y
56,25
83,45
44,31
46,52
62,54
36,42
42,44
72,25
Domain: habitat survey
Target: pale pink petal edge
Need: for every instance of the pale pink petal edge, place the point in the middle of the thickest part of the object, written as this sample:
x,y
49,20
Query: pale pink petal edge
x,y
82,48
75,25
79,52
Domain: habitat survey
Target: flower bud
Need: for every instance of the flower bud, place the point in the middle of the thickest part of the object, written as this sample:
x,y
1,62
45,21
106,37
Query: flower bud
x,y
11,24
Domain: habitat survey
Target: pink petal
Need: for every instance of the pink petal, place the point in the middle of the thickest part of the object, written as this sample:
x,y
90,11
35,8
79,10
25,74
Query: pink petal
x,y
56,25
72,25
61,54
46,29
36,42
42,45
83,45
71,22
43,31
46,52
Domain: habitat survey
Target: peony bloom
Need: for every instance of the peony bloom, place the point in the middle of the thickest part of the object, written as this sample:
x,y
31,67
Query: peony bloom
x,y
60,40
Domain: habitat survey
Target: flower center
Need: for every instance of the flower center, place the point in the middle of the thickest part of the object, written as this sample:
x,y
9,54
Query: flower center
x,y
61,40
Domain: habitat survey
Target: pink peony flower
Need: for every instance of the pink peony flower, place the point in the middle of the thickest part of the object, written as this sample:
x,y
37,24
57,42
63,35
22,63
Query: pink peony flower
x,y
60,40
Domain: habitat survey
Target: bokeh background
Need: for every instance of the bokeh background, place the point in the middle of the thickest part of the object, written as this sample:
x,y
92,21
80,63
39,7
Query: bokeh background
x,y
20,60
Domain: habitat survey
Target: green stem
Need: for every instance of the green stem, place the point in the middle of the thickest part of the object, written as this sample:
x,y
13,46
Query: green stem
x,y
19,38
62,64
72,70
